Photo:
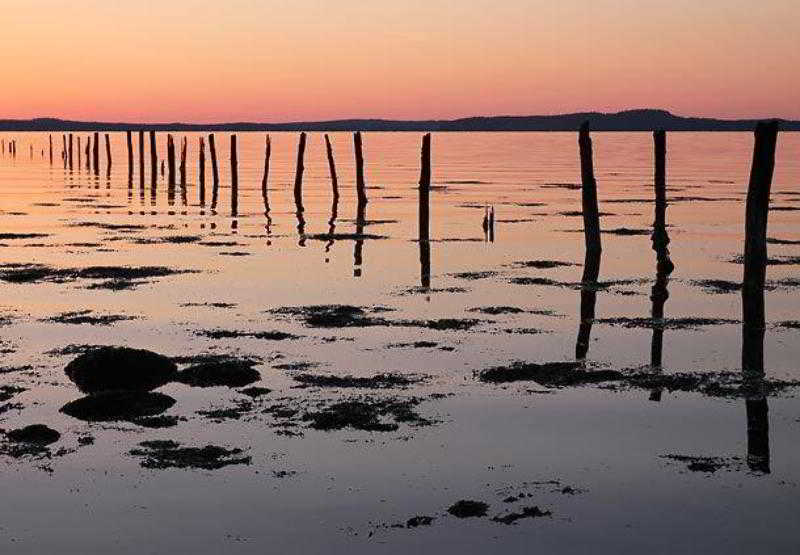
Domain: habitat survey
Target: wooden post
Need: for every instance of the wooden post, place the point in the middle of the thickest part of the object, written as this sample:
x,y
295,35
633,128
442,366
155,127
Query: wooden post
x,y
265,179
755,247
182,166
660,237
424,212
170,159
50,139
96,153
86,152
361,188
214,170
591,217
298,176
202,172
234,178
153,158
108,155
79,154
141,157
70,151
332,167
129,142
63,149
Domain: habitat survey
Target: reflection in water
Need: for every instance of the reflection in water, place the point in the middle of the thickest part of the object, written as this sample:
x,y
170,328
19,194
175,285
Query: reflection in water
x,y
361,217
591,271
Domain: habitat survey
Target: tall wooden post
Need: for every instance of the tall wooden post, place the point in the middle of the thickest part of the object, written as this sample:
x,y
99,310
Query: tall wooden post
x,y
298,176
79,154
96,153
50,139
129,142
108,155
332,167
141,157
214,171
70,151
660,237
182,166
202,172
87,151
153,158
234,178
424,212
265,179
361,188
170,160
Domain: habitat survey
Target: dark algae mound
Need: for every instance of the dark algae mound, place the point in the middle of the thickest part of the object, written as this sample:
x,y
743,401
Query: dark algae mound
x,y
120,368
709,465
527,512
555,374
420,520
38,434
88,317
117,406
331,316
163,454
232,334
380,381
230,373
120,277
366,414
468,509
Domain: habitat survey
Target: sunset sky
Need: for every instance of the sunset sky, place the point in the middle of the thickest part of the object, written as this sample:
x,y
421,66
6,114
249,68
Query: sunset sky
x,y
276,60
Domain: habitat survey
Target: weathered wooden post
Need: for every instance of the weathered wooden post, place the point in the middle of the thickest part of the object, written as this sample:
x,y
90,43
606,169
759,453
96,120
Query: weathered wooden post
x,y
660,237
64,157
153,158
108,155
591,226
361,188
202,172
70,151
96,153
80,162
86,152
182,166
424,212
234,178
129,141
265,179
141,158
214,171
298,175
50,139
170,160
332,166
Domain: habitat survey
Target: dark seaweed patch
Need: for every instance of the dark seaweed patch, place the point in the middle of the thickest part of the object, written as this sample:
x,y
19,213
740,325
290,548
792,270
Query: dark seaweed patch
x,y
367,414
169,454
88,317
468,509
7,236
705,464
474,275
666,323
555,374
527,512
231,334
379,381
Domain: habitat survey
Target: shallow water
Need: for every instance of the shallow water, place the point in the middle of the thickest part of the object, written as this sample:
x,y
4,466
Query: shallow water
x,y
336,491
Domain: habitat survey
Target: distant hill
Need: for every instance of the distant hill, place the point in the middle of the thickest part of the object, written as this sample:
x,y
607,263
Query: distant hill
x,y
629,120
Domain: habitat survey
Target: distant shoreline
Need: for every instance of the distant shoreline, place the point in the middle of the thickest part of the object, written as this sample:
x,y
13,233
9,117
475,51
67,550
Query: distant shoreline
x,y
626,121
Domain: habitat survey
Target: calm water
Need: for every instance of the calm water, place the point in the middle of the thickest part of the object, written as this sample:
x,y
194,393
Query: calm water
x,y
341,491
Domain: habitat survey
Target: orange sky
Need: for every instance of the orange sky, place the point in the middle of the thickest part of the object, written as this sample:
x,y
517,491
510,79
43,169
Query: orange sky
x,y
283,60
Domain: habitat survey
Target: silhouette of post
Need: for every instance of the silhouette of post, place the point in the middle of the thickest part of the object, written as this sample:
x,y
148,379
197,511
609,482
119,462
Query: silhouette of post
x,y
63,150
96,153
659,237
591,226
170,160
424,212
141,158
153,159
129,143
361,187
108,155
265,179
332,167
298,175
79,153
70,151
182,166
753,313
202,172
234,178
50,139
214,171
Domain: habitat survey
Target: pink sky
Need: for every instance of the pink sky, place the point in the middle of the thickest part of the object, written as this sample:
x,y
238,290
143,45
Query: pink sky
x,y
283,60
